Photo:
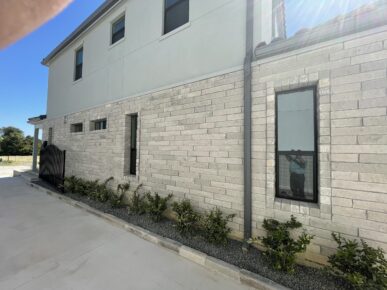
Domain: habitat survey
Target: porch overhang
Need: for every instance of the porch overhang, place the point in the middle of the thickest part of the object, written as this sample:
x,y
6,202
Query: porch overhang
x,y
37,121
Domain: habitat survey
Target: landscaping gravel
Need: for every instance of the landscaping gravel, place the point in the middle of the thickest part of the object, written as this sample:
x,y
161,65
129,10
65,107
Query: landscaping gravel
x,y
254,261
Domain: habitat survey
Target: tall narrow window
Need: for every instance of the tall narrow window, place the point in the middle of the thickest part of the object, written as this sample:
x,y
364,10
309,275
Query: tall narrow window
x,y
49,139
133,144
78,64
176,14
296,148
118,30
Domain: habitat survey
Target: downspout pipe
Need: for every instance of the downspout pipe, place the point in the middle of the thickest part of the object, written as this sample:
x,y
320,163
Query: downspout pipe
x,y
247,119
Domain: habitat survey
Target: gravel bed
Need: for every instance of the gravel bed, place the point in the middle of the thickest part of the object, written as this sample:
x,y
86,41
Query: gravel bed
x,y
254,261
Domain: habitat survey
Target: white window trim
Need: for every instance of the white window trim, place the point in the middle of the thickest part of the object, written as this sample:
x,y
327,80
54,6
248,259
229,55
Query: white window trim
x,y
177,30
111,45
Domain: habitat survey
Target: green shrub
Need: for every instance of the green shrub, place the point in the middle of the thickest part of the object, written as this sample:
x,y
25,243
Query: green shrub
x,y
116,197
214,226
156,205
187,218
99,192
137,203
281,248
362,266
89,187
69,184
75,185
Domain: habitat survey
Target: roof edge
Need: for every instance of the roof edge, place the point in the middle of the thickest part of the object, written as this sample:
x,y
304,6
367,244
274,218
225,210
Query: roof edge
x,y
362,19
36,120
96,15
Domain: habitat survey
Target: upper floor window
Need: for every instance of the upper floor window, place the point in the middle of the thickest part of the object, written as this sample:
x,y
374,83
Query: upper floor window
x,y
176,14
118,30
78,64
296,149
98,125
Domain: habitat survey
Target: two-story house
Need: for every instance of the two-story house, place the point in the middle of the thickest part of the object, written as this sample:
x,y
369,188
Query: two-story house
x,y
209,101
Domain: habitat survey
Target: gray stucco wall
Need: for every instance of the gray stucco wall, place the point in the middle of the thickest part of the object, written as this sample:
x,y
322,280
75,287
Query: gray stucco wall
x,y
145,60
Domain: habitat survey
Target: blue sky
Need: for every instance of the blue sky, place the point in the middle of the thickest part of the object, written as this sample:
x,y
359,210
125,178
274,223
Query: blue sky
x,y
23,80
308,13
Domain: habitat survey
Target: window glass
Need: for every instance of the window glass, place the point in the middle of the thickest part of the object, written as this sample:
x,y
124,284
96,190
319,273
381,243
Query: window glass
x,y
78,64
118,30
296,154
98,125
176,14
133,144
76,128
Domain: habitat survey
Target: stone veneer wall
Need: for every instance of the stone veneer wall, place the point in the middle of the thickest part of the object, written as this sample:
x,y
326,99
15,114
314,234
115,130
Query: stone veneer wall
x,y
350,76
190,143
191,140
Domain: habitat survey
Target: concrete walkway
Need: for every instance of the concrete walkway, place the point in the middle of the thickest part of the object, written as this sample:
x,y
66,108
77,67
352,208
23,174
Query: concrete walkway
x,y
47,244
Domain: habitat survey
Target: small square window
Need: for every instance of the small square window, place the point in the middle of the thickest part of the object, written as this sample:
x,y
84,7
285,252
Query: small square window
x,y
118,30
98,125
78,64
76,128
176,14
296,145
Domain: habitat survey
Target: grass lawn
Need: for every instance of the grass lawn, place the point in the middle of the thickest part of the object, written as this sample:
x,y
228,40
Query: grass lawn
x,y
16,160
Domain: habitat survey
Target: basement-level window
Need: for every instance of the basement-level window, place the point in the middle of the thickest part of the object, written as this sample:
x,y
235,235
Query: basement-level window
x,y
76,128
176,14
100,124
118,30
78,64
296,146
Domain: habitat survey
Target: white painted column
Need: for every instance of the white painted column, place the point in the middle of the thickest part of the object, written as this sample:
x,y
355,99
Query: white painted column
x,y
35,150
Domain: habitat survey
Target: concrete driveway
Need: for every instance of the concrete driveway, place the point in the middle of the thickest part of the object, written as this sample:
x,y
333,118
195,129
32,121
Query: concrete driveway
x,y
47,244
7,171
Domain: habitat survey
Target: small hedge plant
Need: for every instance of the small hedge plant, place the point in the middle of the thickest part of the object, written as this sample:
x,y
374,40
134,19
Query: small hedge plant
x,y
102,192
137,204
187,218
281,248
214,226
116,199
156,205
362,266
92,189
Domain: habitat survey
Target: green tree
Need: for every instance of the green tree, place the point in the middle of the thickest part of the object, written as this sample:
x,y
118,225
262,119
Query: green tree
x,y
12,141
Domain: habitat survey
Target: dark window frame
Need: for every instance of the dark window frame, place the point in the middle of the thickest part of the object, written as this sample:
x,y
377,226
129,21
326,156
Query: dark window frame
x,y
133,147
314,154
78,67
74,128
120,34
99,124
167,9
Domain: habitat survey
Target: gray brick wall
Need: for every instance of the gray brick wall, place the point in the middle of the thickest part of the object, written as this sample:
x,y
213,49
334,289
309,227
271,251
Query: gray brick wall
x,y
350,76
190,141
